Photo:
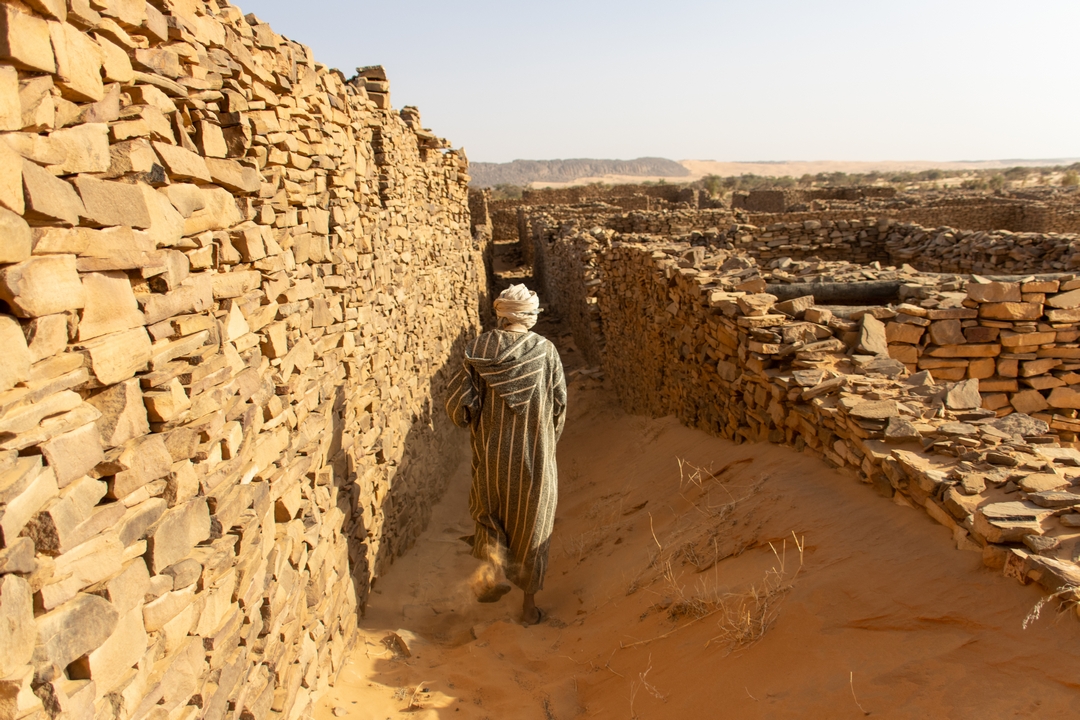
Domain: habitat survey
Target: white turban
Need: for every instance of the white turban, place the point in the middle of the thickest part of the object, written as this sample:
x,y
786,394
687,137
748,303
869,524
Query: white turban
x,y
518,305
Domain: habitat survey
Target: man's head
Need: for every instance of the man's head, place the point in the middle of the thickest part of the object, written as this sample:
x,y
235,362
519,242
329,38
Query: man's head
x,y
517,308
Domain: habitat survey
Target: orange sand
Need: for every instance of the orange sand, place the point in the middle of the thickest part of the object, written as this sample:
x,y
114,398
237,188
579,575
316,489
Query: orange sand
x,y
884,614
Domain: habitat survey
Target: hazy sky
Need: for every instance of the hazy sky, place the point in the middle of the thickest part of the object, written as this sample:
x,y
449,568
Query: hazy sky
x,y
693,79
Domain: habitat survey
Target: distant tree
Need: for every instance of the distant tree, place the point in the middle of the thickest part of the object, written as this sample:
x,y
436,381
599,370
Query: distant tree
x,y
713,184
1071,178
996,181
506,191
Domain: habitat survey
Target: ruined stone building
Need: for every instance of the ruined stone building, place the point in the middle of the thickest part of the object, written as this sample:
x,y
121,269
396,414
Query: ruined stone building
x,y
234,283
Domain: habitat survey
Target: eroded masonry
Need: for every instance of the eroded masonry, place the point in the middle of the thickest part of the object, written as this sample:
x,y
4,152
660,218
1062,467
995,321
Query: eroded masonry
x,y
940,364
232,282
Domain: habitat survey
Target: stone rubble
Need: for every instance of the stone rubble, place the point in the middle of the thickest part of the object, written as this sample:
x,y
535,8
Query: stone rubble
x,y
960,395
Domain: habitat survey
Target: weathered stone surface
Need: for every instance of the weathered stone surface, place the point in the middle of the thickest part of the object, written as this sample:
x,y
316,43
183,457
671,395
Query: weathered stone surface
x,y
109,663
112,203
234,176
994,292
78,63
84,148
74,629
24,41
182,164
758,304
123,415
49,199
177,533
947,332
15,243
1041,481
872,340
73,454
1010,521
1011,311
1064,397
118,356
875,409
142,461
11,180
964,396
42,285
1029,401
110,305
1068,300
16,365
17,631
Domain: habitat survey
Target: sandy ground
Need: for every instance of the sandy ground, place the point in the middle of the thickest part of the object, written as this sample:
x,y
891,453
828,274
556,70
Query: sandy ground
x,y
700,168
650,611
694,578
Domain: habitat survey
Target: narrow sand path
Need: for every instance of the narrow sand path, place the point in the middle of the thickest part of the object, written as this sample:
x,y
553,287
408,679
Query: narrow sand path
x,y
663,578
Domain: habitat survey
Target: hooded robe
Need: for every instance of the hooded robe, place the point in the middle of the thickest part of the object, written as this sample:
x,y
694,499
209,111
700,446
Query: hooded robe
x,y
511,394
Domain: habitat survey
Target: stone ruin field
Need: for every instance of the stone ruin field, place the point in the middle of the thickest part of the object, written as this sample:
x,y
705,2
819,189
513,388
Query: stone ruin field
x,y
821,451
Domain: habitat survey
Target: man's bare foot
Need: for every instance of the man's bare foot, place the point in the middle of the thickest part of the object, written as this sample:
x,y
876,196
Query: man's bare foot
x,y
492,593
530,614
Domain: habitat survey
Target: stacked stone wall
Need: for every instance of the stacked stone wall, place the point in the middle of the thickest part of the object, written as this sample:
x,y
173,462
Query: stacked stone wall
x,y
960,397
234,286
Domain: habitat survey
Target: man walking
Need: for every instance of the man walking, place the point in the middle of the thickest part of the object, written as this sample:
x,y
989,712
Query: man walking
x,y
511,394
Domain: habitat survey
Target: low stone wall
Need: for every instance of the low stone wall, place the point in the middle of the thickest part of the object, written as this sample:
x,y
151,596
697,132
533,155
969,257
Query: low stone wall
x,y
917,398
234,286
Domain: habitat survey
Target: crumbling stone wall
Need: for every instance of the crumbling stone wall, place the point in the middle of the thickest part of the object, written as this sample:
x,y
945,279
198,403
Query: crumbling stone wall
x,y
234,285
960,400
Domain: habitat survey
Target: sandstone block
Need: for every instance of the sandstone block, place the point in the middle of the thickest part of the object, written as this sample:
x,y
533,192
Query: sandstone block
x,y
176,535
1012,340
234,176
78,63
182,164
118,356
167,403
49,199
38,106
17,358
15,236
74,453
112,203
11,181
142,461
10,107
994,292
195,296
947,332
1064,397
110,662
1070,315
872,339
115,62
17,629
903,333
1011,311
28,502
84,148
166,224
219,213
757,304
110,305
123,415
24,41
75,629
1068,300
43,285
964,396
964,351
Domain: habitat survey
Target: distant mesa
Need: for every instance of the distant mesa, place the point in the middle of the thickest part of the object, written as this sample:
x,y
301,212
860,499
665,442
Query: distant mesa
x,y
524,172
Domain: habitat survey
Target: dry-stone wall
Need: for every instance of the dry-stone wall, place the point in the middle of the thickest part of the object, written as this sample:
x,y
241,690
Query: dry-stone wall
x,y
233,285
960,397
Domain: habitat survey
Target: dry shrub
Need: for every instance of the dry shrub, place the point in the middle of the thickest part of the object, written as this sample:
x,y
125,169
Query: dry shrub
x,y
746,617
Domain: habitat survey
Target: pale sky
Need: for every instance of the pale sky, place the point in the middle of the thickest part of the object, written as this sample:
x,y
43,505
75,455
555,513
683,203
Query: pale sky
x,y
720,80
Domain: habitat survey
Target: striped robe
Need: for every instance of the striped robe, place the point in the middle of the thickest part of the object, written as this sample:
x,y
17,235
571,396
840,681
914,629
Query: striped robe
x,y
512,395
